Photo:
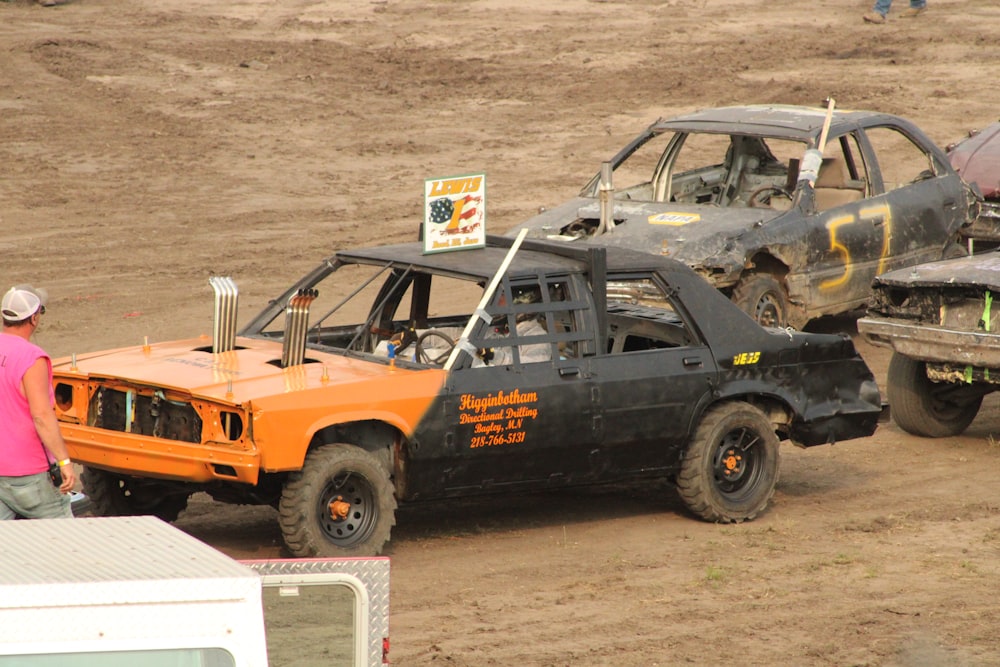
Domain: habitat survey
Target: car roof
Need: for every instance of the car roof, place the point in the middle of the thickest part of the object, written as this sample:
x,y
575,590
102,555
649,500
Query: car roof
x,y
792,122
533,258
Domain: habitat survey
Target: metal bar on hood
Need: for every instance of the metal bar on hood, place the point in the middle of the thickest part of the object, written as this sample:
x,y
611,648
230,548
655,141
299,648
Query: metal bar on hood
x,y
293,350
224,323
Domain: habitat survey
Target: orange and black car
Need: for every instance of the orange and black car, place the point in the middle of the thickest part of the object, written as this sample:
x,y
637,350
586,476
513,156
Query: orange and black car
x,y
388,376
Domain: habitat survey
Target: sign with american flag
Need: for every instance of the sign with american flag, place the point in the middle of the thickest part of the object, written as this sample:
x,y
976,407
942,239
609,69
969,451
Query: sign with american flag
x,y
454,213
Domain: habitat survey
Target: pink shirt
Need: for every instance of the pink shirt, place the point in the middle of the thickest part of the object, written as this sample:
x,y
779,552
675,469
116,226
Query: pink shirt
x,y
21,450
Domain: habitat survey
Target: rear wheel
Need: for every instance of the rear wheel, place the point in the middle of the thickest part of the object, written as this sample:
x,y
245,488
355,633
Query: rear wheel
x,y
926,408
340,504
118,495
763,297
731,466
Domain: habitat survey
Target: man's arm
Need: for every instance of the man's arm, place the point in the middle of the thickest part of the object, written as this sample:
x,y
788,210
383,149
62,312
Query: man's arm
x,y
36,389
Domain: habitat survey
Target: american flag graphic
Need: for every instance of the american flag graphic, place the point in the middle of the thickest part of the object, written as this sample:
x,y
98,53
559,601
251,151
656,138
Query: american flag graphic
x,y
442,210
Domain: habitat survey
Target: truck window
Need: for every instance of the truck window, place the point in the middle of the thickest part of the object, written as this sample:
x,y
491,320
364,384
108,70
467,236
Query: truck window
x,y
309,625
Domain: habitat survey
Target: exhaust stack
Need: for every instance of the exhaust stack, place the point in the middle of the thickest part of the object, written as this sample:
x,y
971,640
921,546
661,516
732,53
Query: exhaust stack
x,y
224,324
293,352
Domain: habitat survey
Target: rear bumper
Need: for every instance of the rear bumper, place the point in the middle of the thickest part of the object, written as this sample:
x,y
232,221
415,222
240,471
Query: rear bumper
x,y
144,456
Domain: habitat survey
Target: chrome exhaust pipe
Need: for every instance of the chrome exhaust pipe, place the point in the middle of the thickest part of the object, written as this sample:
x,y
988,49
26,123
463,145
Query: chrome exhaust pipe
x,y
224,323
293,351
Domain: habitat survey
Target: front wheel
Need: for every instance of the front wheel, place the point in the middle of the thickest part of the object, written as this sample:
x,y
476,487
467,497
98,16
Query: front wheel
x,y
118,495
340,504
922,407
762,297
731,465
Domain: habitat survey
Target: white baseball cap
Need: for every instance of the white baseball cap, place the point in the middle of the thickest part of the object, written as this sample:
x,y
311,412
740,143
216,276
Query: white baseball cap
x,y
23,301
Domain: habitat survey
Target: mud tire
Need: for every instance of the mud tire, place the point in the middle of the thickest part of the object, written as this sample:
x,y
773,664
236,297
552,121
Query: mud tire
x,y
728,431
330,471
762,296
118,495
925,408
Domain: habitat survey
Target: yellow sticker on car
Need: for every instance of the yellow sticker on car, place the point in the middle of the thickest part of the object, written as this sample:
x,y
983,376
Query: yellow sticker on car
x,y
673,219
746,358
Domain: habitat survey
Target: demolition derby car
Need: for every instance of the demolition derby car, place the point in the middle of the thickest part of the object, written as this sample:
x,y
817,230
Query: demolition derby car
x,y
940,322
732,193
939,318
388,375
977,160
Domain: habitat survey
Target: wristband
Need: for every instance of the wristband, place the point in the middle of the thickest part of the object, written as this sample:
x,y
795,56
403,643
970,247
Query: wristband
x,y
63,463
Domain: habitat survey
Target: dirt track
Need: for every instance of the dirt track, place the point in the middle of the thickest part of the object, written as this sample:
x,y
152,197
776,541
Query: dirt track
x,y
149,145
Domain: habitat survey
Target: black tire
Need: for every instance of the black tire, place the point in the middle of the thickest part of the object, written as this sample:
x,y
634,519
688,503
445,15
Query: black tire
x,y
354,479
925,408
763,297
118,495
730,468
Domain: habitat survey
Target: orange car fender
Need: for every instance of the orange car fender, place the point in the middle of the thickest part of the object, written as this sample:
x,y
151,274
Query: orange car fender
x,y
283,444
291,457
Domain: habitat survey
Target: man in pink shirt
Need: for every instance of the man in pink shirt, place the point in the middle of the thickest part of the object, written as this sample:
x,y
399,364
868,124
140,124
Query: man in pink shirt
x,y
29,431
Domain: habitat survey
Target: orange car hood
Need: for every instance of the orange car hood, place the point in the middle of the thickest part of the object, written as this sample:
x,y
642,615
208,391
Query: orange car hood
x,y
249,372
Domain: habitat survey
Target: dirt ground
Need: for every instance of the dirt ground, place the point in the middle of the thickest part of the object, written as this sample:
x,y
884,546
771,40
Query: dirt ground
x,y
146,146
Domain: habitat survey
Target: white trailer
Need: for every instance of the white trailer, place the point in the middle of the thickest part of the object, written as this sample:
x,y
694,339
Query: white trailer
x,y
124,591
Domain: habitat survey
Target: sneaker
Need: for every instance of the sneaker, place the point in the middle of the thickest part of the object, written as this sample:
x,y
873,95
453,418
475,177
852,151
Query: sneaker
x,y
874,17
912,12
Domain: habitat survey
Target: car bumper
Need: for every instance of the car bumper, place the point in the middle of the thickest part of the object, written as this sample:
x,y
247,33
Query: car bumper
x,y
933,343
144,456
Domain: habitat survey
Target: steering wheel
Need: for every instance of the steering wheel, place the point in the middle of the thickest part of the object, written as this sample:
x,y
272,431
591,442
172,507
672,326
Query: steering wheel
x,y
579,229
425,358
761,197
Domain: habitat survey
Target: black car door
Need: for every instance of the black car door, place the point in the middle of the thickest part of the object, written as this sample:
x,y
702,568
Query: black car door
x,y
518,419
655,375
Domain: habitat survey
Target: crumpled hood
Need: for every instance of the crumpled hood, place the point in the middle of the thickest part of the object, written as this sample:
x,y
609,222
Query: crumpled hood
x,y
973,271
688,233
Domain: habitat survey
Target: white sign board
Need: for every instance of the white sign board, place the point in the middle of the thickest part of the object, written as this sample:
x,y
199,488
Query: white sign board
x,y
454,213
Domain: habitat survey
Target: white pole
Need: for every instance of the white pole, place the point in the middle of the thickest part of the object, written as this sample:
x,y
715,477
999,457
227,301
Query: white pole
x,y
463,342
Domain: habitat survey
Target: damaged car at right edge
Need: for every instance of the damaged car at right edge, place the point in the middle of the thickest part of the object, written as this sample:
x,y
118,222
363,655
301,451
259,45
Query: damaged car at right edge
x,y
940,319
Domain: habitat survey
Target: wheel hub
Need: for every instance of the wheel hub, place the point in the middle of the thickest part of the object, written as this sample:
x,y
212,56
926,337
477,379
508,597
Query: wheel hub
x,y
767,311
733,465
339,508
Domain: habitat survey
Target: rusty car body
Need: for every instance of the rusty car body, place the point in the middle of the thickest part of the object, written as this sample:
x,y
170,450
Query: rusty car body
x,y
941,323
391,391
939,318
721,191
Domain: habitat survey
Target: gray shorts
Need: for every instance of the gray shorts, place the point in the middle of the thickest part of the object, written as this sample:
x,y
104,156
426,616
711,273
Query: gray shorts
x,y
32,497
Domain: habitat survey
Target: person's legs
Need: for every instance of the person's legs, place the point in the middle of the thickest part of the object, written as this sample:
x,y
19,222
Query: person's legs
x,y
917,7
882,6
34,497
877,15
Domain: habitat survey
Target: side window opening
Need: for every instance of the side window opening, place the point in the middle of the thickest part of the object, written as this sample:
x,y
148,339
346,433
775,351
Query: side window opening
x,y
533,321
843,177
900,160
642,317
